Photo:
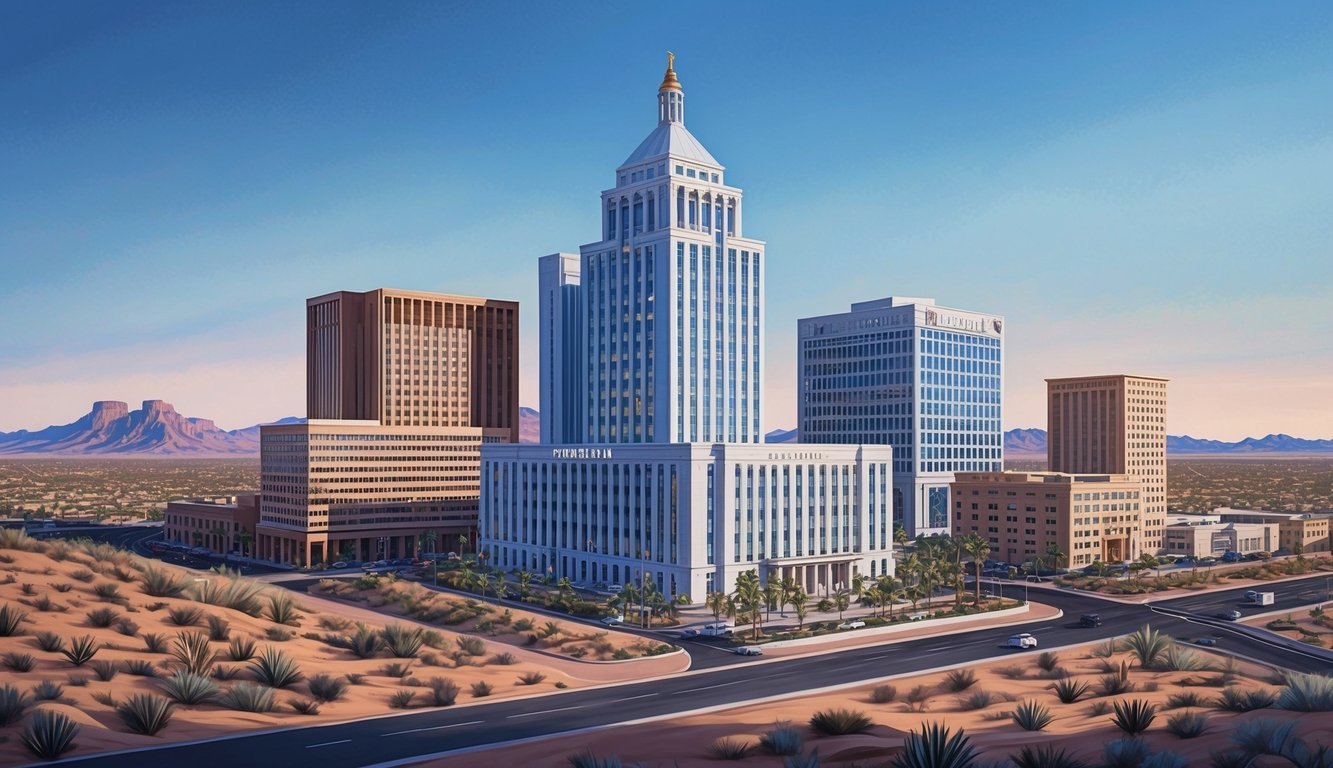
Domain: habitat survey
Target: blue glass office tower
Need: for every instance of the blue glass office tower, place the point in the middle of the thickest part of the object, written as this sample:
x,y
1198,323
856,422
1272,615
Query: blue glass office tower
x,y
904,372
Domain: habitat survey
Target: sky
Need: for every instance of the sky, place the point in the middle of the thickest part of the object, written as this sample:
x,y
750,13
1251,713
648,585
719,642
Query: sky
x,y
1137,187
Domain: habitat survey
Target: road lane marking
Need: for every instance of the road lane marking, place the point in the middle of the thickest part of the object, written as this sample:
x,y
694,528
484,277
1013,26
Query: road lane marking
x,y
435,728
708,687
543,712
327,743
632,698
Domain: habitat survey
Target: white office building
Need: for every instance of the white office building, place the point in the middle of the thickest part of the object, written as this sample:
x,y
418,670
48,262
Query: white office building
x,y
652,382
922,378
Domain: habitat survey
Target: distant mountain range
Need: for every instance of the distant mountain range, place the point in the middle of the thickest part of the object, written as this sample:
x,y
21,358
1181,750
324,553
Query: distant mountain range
x,y
111,428
1032,442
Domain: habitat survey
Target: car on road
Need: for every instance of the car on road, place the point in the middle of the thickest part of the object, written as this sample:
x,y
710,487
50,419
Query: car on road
x,y
1229,615
748,650
613,621
1090,620
1208,641
852,624
338,565
615,589
691,632
1251,596
1023,640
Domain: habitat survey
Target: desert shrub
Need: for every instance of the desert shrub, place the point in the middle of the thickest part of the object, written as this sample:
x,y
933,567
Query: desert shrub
x,y
472,646
1187,725
105,670
1115,683
364,643
102,697
18,662
1306,693
403,642
1099,708
62,587
783,739
1124,753
1069,690
443,691
1031,716
304,706
1134,717
154,643
326,688
1106,649
126,626
334,623
917,695
588,759
281,609
102,617
189,688
233,592
47,690
219,629
81,650
883,694
17,538
78,681
224,672
1164,760
976,700
935,746
395,669
46,605
241,649
1048,661
481,688
108,592
1185,699
1045,757
83,576
1178,658
275,669
13,703
434,639
27,589
50,642
192,650
402,699
140,667
11,620
184,615
959,680
840,722
503,659
49,734
279,634
1236,700
523,625
1011,672
248,697
355,678
1226,675
531,678
159,582
729,749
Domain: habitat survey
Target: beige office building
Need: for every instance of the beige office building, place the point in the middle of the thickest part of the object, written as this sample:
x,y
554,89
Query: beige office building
x,y
1114,425
1298,532
402,390
1090,517
1214,536
221,523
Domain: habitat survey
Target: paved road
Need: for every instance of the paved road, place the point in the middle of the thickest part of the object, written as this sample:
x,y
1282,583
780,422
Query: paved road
x,y
458,728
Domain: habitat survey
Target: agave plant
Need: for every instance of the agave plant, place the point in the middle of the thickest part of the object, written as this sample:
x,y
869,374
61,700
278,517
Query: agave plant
x,y
194,653
403,642
1069,690
1306,693
959,680
1187,725
233,592
729,749
241,649
364,643
13,703
50,642
1134,717
1236,700
782,740
49,734
18,662
275,669
159,582
248,697
145,713
81,650
1124,753
1045,757
1031,716
1178,658
936,747
281,609
326,688
189,688
840,722
1147,645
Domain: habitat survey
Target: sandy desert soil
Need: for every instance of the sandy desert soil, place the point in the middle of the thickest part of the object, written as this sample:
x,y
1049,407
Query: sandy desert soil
x,y
1080,727
69,575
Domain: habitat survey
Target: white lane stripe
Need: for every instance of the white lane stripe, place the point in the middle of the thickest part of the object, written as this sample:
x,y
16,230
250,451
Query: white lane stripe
x,y
543,712
632,698
327,743
708,687
434,728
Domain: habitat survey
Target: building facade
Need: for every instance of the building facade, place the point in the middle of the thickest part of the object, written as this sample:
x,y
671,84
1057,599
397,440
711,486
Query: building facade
x,y
403,389
223,524
689,517
561,357
1298,532
688,368
904,372
1090,518
1113,424
1211,536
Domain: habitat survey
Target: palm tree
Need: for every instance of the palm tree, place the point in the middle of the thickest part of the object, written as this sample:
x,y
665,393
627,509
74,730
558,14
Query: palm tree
x,y
979,549
566,590
1150,561
462,545
245,538
842,599
717,603
525,582
889,589
772,593
431,538
798,601
749,597
1055,555
899,535
789,588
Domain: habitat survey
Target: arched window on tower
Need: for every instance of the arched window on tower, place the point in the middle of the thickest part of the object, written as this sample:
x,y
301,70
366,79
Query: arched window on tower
x,y
731,217
652,212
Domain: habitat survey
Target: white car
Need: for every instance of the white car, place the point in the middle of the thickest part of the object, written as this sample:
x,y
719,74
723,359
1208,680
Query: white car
x,y
1023,641
613,621
852,624
749,650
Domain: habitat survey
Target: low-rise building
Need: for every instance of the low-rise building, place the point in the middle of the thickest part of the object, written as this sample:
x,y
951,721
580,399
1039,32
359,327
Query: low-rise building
x,y
1298,532
1212,536
221,523
1089,517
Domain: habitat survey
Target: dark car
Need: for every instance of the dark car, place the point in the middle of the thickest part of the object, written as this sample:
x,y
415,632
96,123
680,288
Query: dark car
x,y
1229,615
1090,620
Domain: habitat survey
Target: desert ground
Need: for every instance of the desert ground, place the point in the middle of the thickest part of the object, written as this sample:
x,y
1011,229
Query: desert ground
x,y
980,700
147,623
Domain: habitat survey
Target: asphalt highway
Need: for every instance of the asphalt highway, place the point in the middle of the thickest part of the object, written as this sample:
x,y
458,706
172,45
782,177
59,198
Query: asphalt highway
x,y
429,732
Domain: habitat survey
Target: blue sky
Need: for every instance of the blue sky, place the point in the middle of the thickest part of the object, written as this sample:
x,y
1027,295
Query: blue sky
x,y
1136,187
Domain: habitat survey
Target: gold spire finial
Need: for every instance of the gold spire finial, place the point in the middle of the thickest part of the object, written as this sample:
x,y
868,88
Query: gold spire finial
x,y
669,79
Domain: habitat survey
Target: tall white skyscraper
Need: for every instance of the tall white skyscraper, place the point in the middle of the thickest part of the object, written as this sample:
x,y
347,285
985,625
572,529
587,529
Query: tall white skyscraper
x,y
904,372
687,367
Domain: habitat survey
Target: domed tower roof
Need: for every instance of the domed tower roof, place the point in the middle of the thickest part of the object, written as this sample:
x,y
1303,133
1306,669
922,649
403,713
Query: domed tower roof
x,y
671,137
